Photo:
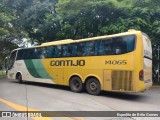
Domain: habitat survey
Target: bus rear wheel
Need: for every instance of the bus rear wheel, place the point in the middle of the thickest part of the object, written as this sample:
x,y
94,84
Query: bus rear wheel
x,y
75,84
93,86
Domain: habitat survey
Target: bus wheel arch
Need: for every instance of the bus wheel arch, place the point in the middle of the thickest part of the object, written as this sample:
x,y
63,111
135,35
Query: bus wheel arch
x,y
93,85
75,83
19,77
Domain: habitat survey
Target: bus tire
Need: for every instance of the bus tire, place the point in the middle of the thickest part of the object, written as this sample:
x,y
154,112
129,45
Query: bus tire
x,y
75,84
19,78
93,86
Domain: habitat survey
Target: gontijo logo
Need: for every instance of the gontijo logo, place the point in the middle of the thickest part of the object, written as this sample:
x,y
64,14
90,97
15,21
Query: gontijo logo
x,y
68,63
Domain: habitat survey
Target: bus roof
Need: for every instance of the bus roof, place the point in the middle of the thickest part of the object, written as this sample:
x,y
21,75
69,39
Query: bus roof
x,y
57,42
132,31
67,41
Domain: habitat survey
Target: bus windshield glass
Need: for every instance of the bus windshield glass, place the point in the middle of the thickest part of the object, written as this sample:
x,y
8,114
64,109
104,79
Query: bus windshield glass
x,y
12,59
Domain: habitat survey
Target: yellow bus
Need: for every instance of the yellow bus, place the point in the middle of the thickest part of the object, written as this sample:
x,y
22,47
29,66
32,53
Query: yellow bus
x,y
119,63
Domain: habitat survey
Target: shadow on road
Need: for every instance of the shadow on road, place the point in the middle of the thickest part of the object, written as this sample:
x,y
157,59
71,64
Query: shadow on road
x,y
124,96
47,85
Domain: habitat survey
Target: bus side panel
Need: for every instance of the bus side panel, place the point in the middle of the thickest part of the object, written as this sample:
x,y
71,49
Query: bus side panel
x,y
82,73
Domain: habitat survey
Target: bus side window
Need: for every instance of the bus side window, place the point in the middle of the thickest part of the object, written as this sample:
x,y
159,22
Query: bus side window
x,y
108,44
57,52
88,48
50,50
43,53
70,50
97,44
20,54
80,49
119,46
85,49
91,48
36,53
101,48
27,54
73,49
130,43
64,51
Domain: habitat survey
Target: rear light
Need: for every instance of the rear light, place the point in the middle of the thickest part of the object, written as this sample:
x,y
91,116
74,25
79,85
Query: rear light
x,y
141,75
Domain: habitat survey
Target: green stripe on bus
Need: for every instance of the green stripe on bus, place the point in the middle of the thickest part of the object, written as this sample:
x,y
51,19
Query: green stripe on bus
x,y
36,69
32,70
40,69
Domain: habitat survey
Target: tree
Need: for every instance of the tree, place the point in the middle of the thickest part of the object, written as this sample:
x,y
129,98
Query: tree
x,y
9,35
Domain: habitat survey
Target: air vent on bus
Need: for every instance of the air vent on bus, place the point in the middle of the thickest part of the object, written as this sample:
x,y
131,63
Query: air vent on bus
x,y
122,80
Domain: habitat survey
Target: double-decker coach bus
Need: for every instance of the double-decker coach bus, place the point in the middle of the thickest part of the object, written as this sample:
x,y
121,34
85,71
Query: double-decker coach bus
x,y
119,63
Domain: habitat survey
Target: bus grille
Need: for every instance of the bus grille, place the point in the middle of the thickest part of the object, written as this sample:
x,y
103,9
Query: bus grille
x,y
122,80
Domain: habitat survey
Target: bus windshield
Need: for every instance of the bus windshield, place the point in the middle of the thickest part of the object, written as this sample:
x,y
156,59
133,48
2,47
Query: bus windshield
x,y
12,59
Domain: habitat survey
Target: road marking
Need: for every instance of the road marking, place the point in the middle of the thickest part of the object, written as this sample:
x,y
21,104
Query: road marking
x,y
22,108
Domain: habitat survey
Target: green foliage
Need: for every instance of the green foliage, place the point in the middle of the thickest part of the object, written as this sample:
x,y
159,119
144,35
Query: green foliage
x,y
53,20
5,48
2,72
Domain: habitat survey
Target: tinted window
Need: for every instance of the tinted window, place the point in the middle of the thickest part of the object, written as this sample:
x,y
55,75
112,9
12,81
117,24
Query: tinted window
x,y
57,51
80,49
50,51
43,52
30,54
37,53
110,46
105,47
124,44
89,48
130,41
21,54
65,51
73,49
118,45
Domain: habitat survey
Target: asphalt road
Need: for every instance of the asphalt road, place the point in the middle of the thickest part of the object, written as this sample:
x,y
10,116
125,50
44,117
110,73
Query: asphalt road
x,y
32,96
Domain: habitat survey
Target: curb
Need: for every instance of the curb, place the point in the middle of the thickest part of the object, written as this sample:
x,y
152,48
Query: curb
x,y
156,86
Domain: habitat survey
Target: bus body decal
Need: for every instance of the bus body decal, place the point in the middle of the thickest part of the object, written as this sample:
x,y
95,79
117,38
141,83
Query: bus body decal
x,y
41,69
36,69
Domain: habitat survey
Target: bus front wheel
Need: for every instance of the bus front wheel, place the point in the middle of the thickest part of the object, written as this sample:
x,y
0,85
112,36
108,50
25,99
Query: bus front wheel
x,y
93,86
75,84
19,78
